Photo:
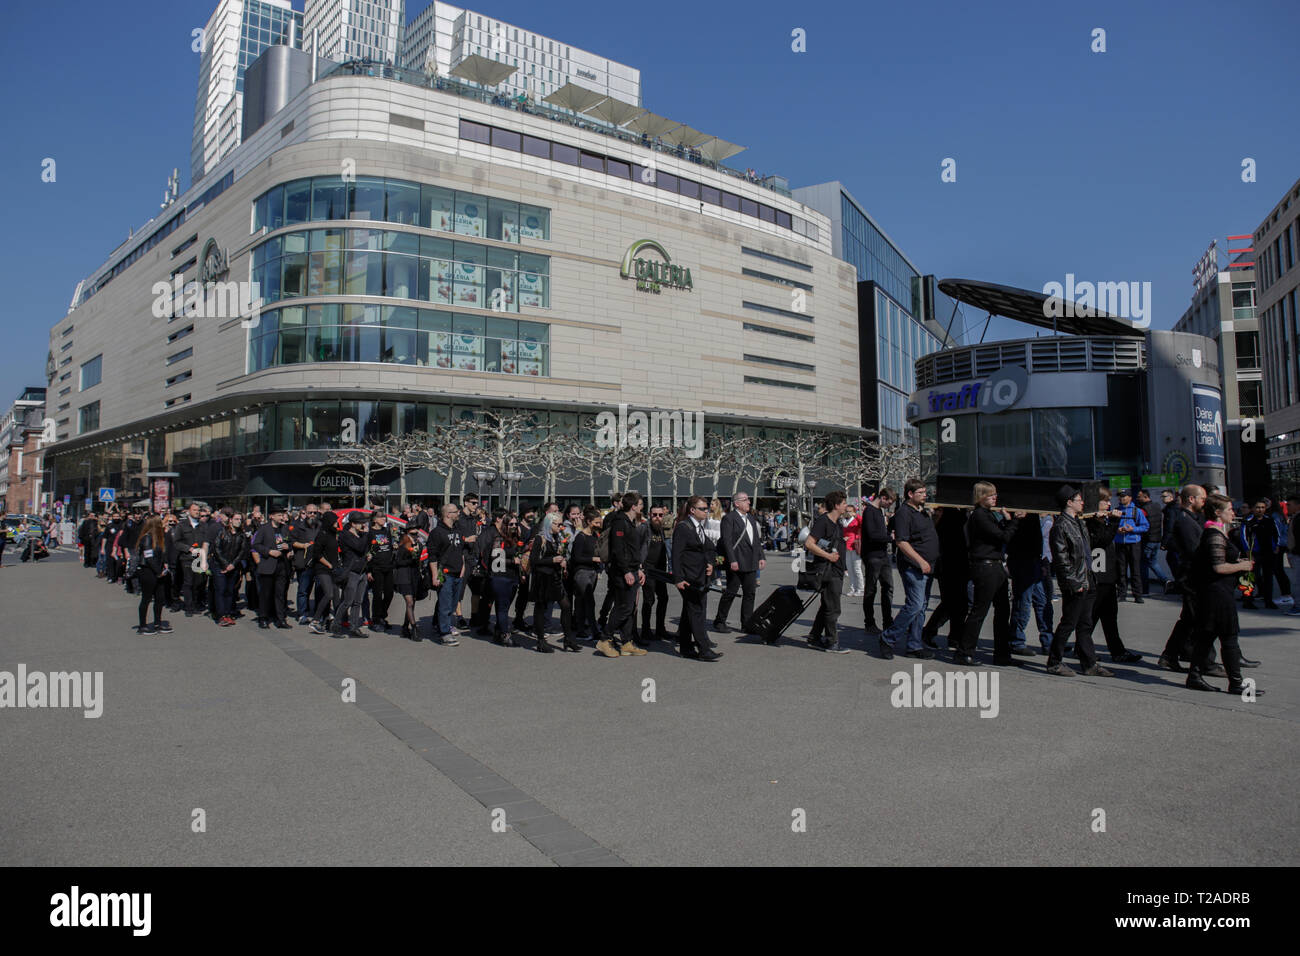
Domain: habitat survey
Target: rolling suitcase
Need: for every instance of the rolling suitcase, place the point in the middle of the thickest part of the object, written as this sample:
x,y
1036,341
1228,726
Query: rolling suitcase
x,y
773,616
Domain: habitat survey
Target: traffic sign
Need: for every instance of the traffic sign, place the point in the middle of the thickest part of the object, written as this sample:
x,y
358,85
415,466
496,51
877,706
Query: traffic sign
x,y
67,499
107,494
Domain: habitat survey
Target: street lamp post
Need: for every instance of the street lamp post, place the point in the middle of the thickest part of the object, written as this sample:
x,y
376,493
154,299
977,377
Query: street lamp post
x,y
512,480
87,464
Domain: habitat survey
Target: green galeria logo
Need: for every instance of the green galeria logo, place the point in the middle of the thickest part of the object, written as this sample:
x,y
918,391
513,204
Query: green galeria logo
x,y
651,275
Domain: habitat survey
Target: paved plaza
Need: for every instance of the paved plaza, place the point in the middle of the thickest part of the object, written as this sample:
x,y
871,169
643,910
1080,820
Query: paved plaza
x,y
774,756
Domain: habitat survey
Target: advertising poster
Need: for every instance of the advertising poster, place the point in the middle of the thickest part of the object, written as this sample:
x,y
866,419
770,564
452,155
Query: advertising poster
x,y
530,289
469,284
1207,425
510,226
469,218
531,227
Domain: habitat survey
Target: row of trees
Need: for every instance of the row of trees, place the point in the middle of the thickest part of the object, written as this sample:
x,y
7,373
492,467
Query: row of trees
x,y
722,464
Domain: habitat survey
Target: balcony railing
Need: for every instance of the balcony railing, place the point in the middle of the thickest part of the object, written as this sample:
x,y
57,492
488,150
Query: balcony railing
x,y
524,105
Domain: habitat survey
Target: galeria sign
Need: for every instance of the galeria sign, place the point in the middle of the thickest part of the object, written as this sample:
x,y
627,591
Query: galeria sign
x,y
652,275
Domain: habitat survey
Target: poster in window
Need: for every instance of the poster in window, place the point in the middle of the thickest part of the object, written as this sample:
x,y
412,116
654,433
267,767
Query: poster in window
x,y
442,214
509,225
469,363
530,289
469,218
469,284
530,350
530,368
531,227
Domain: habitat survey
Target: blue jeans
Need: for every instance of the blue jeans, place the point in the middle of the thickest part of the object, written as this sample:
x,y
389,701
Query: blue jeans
x,y
224,592
503,591
1038,595
1151,563
447,592
305,578
911,618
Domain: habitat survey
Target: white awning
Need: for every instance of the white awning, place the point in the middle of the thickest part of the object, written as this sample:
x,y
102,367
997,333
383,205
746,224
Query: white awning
x,y
652,124
614,111
717,150
481,70
571,96
686,136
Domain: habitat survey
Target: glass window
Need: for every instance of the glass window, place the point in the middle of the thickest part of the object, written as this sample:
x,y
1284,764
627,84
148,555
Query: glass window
x,y
403,202
297,202
467,342
711,195
1005,443
537,147
749,208
766,213
91,372
364,273
437,206
533,282
411,417
534,222
593,162
503,220
731,201
471,214
564,154
616,167
88,417
666,181
260,217
469,275
505,138
689,188
475,132
275,208
367,200
289,426
783,219
1063,443
325,262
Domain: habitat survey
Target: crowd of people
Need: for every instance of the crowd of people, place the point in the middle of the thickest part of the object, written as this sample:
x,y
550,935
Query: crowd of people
x,y
31,536
345,573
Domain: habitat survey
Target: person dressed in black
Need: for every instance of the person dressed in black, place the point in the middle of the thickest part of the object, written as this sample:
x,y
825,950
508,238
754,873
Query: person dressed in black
x,y
226,557
654,596
271,545
625,577
952,568
379,571
151,553
825,542
692,564
988,532
741,544
1102,529
584,567
324,564
1217,564
354,547
189,536
1072,564
873,547
1259,539
406,580
527,528
502,550
1184,537
547,564
87,533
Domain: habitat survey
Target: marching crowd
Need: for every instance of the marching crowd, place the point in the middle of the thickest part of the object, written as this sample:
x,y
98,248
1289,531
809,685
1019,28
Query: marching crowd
x,y
348,569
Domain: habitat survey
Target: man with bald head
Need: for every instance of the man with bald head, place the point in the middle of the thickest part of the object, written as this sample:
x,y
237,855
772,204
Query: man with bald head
x,y
1183,539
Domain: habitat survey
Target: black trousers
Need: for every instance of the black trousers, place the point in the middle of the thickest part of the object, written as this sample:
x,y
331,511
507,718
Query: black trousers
x,y
551,590
692,636
521,604
828,612
584,601
1265,564
953,605
743,581
1182,639
607,605
1105,611
481,587
653,596
1076,622
1278,559
151,592
381,594
1128,558
1203,650
191,582
991,590
622,623
272,594
324,594
878,574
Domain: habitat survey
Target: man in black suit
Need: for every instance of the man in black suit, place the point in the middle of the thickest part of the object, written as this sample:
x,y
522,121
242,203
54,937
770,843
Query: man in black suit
x,y
691,568
190,535
741,542
1184,537
271,545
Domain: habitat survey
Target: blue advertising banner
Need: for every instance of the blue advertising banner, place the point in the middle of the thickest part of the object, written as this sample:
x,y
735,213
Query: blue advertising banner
x,y
1207,425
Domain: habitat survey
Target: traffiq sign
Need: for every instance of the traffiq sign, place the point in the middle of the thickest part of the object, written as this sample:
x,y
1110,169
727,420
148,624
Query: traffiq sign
x,y
655,273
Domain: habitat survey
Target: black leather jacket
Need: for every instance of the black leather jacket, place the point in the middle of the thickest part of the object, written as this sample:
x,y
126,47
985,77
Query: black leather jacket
x,y
1071,555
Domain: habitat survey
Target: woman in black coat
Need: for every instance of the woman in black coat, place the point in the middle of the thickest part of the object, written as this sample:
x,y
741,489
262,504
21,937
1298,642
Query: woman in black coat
x,y
323,559
1215,569
546,565
151,554
502,553
231,553
406,579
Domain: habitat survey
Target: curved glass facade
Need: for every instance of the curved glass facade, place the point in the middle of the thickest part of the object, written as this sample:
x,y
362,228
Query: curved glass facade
x,y
400,335
403,265
378,199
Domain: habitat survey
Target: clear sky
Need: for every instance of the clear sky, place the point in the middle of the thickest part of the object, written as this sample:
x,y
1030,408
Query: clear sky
x,y
1114,166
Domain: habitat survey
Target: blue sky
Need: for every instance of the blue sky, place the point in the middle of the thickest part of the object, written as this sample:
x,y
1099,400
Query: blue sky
x,y
1115,166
